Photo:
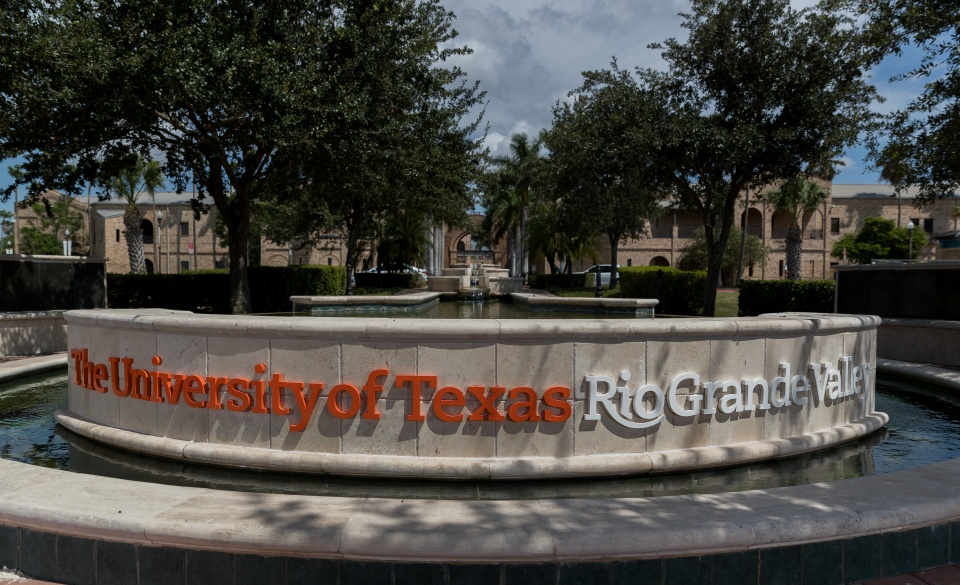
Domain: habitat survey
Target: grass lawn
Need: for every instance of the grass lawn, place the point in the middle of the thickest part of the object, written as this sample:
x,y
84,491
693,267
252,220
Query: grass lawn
x,y
727,304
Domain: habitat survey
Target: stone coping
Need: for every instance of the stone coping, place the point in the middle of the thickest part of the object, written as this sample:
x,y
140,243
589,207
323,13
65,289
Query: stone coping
x,y
480,531
417,298
480,468
921,323
582,302
21,368
473,330
31,316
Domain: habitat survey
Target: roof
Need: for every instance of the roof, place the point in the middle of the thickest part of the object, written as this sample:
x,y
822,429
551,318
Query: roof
x,y
164,198
860,191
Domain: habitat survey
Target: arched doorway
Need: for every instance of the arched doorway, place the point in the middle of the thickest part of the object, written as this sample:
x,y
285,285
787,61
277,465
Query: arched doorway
x,y
148,264
146,226
660,261
754,222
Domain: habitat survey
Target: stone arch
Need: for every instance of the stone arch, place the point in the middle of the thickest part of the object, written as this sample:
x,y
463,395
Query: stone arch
x,y
146,226
659,261
779,224
148,265
754,222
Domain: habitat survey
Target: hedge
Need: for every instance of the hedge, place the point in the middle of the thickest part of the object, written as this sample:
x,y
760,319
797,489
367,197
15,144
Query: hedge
x,y
779,296
558,281
680,292
387,279
208,291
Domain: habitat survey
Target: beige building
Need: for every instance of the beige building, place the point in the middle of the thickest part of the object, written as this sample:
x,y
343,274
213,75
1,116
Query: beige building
x,y
842,213
175,240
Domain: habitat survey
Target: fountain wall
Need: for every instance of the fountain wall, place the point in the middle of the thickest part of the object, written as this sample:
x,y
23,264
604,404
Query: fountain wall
x,y
470,399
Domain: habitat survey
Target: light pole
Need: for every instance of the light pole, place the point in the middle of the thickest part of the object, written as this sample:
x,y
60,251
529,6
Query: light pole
x,y
156,245
910,231
67,244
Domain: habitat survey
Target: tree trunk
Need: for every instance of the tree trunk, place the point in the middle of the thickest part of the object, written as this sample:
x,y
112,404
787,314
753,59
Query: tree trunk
x,y
133,235
794,244
353,253
238,235
743,236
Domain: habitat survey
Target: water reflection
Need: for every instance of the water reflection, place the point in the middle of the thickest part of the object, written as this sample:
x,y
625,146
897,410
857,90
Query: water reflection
x,y
923,430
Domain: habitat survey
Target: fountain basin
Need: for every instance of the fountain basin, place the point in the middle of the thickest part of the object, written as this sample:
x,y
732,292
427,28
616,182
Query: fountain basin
x,y
493,399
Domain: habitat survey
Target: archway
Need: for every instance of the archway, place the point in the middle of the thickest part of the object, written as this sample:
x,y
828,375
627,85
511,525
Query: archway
x,y
659,261
146,226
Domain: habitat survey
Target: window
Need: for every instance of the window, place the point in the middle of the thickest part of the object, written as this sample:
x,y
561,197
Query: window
x,y
781,268
329,261
184,228
118,235
750,270
629,261
928,225
184,265
834,225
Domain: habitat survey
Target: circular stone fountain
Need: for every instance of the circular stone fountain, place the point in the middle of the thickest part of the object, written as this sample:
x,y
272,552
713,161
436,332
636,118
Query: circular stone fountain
x,y
497,399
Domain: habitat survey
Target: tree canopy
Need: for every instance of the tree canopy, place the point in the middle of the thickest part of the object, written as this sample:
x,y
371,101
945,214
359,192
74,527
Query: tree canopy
x,y
695,254
879,239
600,166
757,93
322,98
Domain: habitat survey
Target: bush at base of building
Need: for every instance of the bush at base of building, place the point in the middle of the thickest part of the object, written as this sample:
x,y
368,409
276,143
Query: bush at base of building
x,y
780,296
680,292
559,281
208,291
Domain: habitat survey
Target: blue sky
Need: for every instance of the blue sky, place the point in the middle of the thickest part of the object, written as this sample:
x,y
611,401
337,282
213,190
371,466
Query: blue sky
x,y
529,53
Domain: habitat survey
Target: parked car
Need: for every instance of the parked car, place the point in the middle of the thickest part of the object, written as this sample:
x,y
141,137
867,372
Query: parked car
x,y
406,268
604,270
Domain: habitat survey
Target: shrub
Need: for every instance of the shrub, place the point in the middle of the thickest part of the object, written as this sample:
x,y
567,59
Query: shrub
x,y
558,281
680,292
208,291
402,280
778,296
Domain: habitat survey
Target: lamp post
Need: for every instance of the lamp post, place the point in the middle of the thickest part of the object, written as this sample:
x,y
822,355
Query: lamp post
x,y
67,244
910,231
159,254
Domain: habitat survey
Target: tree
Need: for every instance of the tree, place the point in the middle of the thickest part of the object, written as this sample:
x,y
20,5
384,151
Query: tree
x,y
405,241
695,254
55,219
757,92
143,176
879,239
599,166
245,99
796,197
894,170
925,133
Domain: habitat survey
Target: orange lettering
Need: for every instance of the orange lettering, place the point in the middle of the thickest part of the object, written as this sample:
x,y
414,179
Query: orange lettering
x,y
304,405
259,393
99,375
276,394
333,399
416,402
115,376
556,397
213,388
194,385
487,402
441,401
370,391
79,357
239,400
523,410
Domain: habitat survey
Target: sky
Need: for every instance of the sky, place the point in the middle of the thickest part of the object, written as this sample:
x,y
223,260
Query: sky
x,y
528,54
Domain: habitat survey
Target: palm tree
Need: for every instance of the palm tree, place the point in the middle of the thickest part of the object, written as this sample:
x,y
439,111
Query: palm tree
x,y
130,184
796,197
517,173
894,170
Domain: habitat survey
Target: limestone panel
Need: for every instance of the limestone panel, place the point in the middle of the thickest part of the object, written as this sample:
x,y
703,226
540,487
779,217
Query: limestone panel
x,y
463,438
665,361
103,407
459,364
182,354
305,361
735,361
534,365
799,352
138,414
608,359
77,397
391,434
360,359
605,436
238,357
534,439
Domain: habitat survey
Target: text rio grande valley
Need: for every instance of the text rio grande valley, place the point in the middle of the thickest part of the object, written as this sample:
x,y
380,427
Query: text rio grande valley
x,y
640,408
